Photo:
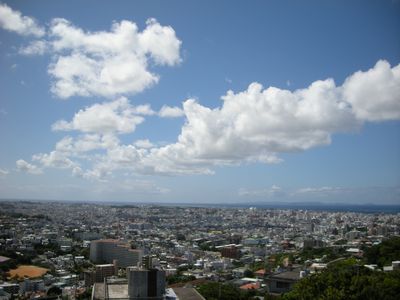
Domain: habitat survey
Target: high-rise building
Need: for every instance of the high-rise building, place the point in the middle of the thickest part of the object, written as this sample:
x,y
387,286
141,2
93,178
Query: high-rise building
x,y
149,262
145,284
141,284
106,251
230,251
100,272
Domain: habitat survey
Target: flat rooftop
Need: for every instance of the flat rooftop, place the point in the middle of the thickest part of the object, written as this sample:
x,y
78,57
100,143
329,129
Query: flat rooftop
x,y
120,291
188,294
115,291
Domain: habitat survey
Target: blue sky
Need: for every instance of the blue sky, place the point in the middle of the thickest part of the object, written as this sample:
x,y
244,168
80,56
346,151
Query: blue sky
x,y
184,101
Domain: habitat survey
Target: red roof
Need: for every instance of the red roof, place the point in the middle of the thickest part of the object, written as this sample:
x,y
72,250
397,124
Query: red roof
x,y
250,286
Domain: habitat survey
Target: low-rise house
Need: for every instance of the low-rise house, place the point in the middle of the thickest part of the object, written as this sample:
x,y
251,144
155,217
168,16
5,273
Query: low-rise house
x,y
282,282
395,266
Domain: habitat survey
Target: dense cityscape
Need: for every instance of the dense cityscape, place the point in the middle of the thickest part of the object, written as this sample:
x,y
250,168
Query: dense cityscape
x,y
67,250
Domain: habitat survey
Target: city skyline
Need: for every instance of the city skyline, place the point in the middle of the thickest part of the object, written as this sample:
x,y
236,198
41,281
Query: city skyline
x,y
270,101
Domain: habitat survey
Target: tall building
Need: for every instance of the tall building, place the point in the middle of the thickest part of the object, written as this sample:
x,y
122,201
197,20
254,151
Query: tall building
x,y
100,272
141,284
230,251
29,285
106,251
145,284
150,262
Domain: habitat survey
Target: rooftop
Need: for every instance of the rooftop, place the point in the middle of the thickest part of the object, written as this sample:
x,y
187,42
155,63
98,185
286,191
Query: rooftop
x,y
115,291
288,275
188,294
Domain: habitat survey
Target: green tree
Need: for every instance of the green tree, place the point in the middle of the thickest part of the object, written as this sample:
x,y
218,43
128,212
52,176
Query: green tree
x,y
384,253
347,280
248,273
54,291
222,291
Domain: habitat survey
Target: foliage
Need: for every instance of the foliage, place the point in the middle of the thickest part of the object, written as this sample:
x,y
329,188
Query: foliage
x,y
79,251
248,273
40,248
8,265
276,260
347,280
329,253
341,242
384,253
16,259
179,278
257,266
54,290
272,296
184,268
237,263
221,291
207,247
86,295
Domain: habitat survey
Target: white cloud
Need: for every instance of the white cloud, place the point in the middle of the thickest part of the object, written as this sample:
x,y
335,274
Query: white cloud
x,y
86,143
327,194
255,125
13,20
38,47
148,161
110,63
118,116
160,42
144,144
24,166
136,187
318,191
55,159
375,94
170,112
272,192
144,110
258,124
3,172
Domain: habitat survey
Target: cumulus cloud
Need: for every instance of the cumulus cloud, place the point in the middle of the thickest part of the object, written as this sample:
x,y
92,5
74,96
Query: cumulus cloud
x,y
24,166
13,20
54,159
375,95
34,48
144,144
102,63
117,116
110,63
160,42
255,125
258,124
170,112
86,143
